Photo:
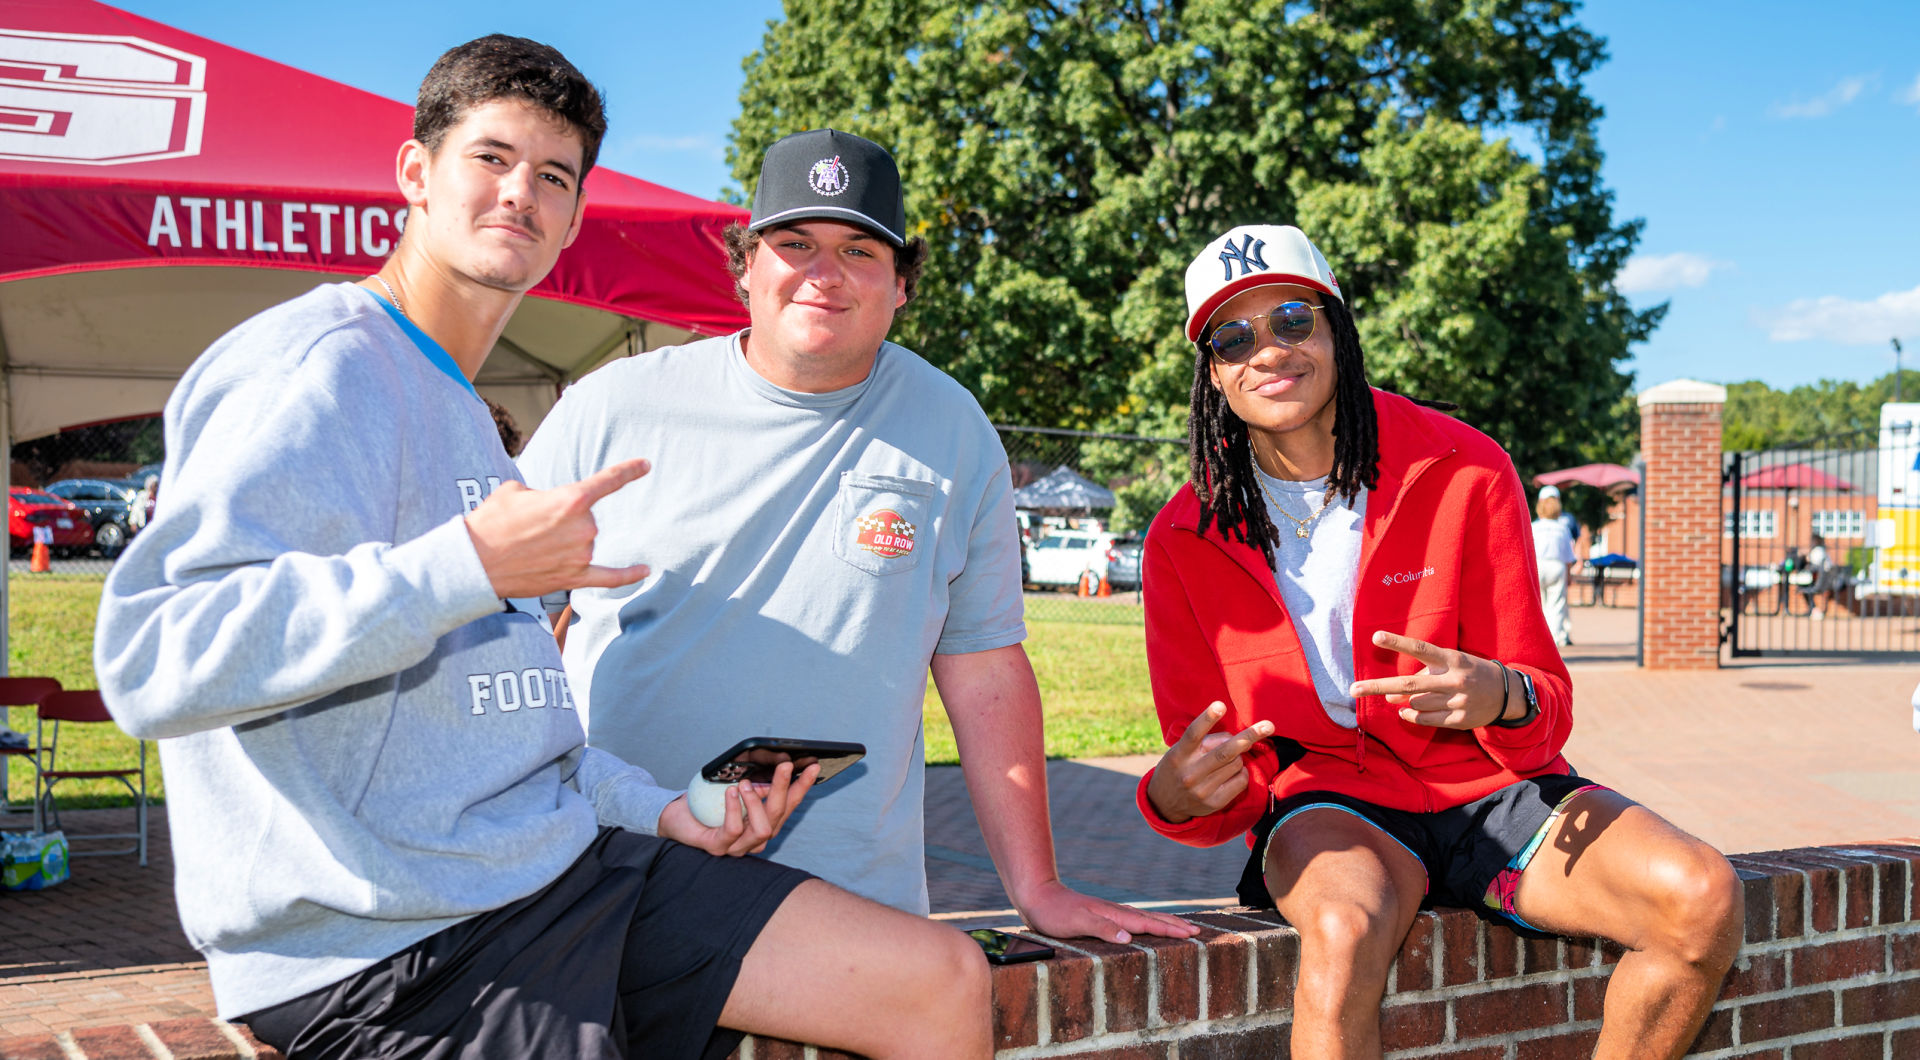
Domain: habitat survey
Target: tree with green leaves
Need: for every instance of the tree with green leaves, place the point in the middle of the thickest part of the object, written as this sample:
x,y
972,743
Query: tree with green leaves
x,y
1066,160
1760,417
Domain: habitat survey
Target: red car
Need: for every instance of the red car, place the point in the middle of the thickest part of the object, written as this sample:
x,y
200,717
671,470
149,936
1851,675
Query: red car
x,y
28,508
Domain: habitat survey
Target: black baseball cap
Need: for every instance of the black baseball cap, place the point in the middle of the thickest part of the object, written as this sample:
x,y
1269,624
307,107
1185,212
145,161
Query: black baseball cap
x,y
831,175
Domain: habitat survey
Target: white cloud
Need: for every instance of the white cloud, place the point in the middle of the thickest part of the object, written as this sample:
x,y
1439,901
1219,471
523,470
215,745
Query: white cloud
x,y
1826,103
1912,94
1664,272
1845,320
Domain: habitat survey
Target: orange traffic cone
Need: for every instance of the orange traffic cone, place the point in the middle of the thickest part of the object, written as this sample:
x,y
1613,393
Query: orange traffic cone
x,y
42,558
1084,588
1106,587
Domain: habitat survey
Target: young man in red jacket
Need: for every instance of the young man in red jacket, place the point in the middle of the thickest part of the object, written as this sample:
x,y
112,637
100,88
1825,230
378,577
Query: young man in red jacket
x,y
1390,703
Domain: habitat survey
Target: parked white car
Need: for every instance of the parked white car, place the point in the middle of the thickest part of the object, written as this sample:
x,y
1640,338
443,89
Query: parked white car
x,y
1062,556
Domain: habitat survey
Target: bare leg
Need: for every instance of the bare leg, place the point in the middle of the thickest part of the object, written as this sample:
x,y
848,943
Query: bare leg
x,y
1351,892
837,970
1617,870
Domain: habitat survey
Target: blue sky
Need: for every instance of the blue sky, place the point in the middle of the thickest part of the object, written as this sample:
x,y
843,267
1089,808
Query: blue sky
x,y
1773,149
1774,152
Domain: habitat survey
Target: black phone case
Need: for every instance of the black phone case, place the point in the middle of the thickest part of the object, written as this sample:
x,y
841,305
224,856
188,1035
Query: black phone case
x,y
1039,951
841,755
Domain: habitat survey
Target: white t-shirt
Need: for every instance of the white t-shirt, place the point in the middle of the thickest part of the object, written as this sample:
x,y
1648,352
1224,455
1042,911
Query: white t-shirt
x,y
1551,543
1317,576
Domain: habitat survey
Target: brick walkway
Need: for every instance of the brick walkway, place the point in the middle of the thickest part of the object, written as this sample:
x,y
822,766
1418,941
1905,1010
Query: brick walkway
x,y
1758,755
103,948
1755,756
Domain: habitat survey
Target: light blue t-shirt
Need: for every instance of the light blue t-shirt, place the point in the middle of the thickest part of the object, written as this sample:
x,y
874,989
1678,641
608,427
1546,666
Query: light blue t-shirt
x,y
1317,575
810,554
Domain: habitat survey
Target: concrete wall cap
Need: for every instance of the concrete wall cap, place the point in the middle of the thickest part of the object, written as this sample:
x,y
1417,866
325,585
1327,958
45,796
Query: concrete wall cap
x,y
1684,392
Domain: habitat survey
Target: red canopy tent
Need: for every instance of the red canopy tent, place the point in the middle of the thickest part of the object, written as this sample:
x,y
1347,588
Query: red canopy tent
x,y
1602,476
1794,476
156,188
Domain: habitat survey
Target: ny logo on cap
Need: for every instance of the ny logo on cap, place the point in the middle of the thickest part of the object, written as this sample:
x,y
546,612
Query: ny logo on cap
x,y
828,176
1247,254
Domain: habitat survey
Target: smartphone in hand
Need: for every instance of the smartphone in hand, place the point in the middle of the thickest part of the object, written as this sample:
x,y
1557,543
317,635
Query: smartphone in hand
x,y
753,759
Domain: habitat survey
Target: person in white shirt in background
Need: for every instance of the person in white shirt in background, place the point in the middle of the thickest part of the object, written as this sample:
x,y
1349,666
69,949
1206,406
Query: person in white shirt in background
x,y
1820,590
140,510
1553,548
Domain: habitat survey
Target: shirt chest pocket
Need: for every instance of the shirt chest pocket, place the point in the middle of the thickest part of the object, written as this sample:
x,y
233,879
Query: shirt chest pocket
x,y
878,520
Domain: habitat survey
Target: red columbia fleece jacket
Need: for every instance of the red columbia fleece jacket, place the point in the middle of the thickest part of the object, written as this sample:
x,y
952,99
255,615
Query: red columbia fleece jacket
x,y
1446,556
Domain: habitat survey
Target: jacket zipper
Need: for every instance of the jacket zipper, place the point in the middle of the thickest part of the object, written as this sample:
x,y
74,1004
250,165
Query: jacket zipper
x,y
1359,712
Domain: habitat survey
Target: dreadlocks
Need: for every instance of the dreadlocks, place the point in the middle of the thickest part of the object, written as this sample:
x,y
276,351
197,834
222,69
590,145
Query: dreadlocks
x,y
1221,459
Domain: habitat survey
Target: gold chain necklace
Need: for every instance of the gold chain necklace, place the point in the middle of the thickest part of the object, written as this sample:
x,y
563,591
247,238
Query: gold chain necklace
x,y
1302,527
395,299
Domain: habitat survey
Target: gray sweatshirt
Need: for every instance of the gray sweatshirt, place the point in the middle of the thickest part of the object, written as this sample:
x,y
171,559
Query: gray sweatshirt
x,y
362,744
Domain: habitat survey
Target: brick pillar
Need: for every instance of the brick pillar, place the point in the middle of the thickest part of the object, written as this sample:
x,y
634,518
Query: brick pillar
x,y
1680,578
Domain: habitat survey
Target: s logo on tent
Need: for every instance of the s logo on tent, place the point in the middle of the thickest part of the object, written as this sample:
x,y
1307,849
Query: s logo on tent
x,y
884,532
93,100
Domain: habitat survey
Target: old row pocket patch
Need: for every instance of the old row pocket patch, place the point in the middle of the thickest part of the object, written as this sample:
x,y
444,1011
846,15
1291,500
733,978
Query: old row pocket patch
x,y
880,520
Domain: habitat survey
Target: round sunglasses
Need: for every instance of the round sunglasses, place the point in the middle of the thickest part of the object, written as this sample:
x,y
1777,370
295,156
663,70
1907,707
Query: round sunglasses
x,y
1234,341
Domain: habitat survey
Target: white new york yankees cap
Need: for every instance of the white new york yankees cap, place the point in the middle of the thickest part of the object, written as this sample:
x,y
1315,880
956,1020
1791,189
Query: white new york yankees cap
x,y
1252,256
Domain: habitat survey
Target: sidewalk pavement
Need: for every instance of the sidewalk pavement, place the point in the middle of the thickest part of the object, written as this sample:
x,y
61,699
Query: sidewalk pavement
x,y
1754,756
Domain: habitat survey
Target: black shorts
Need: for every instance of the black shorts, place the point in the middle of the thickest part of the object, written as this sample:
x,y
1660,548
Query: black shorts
x,y
630,952
1473,854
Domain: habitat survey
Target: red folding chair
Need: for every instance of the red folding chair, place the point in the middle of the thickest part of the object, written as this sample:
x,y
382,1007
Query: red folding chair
x,y
83,708
20,692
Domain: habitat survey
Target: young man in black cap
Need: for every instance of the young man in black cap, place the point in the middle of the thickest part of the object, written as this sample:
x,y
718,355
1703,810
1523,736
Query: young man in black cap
x,y
393,840
829,516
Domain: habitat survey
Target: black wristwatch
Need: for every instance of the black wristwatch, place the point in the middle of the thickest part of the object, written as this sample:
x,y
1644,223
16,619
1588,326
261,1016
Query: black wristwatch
x,y
1533,703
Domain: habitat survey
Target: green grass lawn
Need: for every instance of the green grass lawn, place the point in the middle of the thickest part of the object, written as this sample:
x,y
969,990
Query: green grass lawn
x,y
1090,658
1093,685
51,635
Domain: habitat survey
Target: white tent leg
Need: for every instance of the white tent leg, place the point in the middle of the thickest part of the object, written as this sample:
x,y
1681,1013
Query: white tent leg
x,y
6,486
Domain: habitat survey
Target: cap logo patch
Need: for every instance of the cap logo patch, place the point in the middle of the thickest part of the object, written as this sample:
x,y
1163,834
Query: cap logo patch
x,y
884,533
828,176
1248,254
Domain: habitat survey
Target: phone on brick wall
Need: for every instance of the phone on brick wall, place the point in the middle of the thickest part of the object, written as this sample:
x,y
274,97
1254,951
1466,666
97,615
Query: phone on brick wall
x,y
1002,948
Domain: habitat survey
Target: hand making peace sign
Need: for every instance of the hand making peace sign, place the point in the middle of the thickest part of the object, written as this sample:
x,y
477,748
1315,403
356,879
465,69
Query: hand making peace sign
x,y
1454,691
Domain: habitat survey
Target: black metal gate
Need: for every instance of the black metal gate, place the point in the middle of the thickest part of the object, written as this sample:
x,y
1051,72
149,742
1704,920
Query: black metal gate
x,y
1820,545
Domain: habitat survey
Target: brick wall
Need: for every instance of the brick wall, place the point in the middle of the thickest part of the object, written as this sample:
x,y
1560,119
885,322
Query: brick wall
x,y
1680,440
1830,969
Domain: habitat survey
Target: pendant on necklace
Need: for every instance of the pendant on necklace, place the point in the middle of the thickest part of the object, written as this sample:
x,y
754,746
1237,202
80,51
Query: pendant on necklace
x,y
1301,533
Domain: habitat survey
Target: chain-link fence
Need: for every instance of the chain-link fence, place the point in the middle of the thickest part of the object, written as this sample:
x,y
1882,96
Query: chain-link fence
x,y
79,495
75,499
1084,501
